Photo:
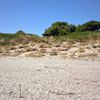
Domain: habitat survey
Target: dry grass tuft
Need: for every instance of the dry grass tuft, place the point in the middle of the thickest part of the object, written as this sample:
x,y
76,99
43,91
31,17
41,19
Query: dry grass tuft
x,y
43,50
53,53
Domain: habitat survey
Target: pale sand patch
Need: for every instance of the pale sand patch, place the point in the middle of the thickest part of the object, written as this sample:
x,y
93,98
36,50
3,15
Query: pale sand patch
x,y
49,78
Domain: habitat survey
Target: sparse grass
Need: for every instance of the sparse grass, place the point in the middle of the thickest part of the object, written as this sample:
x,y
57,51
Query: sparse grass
x,y
13,39
1,51
28,49
53,53
88,55
44,45
8,36
36,54
43,50
81,49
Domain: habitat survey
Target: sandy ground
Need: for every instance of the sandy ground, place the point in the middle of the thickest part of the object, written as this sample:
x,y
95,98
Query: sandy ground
x,y
49,78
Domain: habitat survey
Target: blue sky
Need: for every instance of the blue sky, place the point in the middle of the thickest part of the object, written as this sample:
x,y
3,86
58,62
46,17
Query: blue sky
x,y
34,16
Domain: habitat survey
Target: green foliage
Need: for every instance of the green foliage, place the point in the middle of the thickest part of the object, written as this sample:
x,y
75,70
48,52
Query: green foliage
x,y
72,28
89,26
63,28
20,33
79,36
7,36
17,38
59,28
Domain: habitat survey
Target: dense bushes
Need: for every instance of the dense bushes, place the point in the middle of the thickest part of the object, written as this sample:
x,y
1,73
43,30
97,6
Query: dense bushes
x,y
63,28
59,28
89,26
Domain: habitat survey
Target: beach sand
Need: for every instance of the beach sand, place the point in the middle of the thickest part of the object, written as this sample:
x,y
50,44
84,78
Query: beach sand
x,y
49,78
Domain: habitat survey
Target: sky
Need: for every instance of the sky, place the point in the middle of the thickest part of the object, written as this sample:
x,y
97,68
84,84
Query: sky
x,y
34,16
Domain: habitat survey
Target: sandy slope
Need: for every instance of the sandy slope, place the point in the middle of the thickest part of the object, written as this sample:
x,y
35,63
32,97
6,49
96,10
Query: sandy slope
x,y
49,79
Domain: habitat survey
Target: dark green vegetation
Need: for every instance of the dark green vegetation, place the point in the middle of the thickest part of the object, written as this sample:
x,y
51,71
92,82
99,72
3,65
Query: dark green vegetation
x,y
59,28
63,28
89,26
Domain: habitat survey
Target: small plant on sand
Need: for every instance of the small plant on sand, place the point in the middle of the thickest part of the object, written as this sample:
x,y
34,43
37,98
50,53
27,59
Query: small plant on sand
x,y
53,53
81,49
42,50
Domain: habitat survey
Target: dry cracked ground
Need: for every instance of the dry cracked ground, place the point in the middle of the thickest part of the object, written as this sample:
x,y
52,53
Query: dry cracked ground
x,y
49,78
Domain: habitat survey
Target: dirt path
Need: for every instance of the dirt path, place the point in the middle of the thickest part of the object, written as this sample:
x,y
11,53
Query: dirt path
x,y
49,79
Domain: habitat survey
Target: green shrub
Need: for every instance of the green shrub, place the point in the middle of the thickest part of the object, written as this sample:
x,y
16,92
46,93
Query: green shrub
x,y
59,28
89,26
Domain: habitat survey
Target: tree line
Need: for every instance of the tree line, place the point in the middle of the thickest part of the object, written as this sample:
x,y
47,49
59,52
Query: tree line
x,y
64,28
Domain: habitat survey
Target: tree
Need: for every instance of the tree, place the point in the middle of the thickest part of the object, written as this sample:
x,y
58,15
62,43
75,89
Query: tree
x,y
20,32
89,26
59,28
72,28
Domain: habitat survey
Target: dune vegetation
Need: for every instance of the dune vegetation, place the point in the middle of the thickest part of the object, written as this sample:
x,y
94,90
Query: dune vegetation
x,y
58,31
19,37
